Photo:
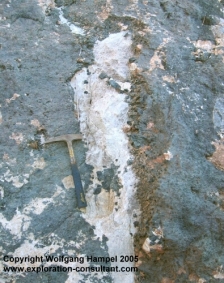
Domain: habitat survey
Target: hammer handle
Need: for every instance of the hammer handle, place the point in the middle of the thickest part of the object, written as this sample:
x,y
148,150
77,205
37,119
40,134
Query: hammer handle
x,y
78,187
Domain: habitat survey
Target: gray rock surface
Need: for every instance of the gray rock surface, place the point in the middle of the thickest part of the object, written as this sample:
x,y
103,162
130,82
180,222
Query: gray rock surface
x,y
174,128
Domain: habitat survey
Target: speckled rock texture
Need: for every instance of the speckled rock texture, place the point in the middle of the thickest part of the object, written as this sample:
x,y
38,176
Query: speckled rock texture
x,y
142,80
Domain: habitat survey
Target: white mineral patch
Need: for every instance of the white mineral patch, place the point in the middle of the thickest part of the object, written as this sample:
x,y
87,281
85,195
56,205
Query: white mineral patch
x,y
168,155
73,28
218,116
17,225
125,85
103,114
17,181
1,192
37,205
22,219
204,44
6,26
112,55
39,163
42,139
219,273
33,247
0,117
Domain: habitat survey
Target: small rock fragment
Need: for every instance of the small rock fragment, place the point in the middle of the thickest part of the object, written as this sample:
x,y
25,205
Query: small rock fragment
x,y
132,59
103,75
114,84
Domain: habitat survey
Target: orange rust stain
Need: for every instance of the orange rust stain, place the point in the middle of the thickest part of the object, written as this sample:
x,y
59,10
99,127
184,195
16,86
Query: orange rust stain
x,y
142,149
5,156
167,280
158,248
158,160
150,125
14,97
181,270
127,129
193,277
18,137
218,156
158,232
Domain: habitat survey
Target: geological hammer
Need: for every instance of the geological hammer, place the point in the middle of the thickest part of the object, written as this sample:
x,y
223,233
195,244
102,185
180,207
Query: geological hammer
x,y
75,172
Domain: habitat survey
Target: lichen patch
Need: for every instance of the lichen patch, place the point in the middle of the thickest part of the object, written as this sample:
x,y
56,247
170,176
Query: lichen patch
x,y
74,29
35,123
147,247
45,4
204,44
219,273
169,79
14,97
105,11
156,61
218,33
218,156
39,163
68,182
18,137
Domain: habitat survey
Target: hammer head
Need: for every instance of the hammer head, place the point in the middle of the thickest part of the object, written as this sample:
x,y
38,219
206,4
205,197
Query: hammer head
x,y
66,138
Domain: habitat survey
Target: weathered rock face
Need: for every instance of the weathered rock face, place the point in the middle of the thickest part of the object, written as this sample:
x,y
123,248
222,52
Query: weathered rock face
x,y
143,82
